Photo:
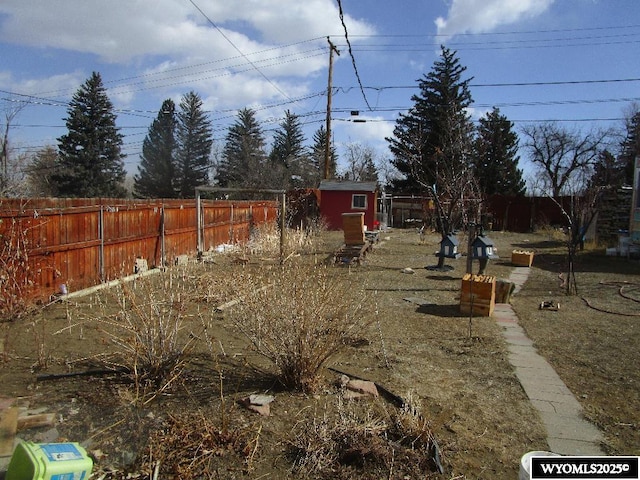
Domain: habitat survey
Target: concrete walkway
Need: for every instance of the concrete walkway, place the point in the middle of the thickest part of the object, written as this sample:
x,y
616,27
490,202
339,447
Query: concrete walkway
x,y
568,433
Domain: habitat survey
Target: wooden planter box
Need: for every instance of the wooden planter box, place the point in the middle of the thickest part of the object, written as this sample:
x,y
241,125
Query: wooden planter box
x,y
478,294
521,258
353,227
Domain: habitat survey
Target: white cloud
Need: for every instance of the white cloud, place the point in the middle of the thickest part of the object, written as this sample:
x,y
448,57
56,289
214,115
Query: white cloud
x,y
261,50
49,86
480,16
122,31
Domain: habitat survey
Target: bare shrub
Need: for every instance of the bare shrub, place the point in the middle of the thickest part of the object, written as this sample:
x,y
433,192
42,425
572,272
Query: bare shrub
x,y
298,317
364,440
146,327
15,274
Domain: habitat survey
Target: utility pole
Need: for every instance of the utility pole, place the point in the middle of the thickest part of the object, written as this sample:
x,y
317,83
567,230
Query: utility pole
x,y
327,147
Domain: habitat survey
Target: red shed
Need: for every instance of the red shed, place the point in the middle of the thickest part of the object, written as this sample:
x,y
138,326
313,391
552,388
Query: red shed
x,y
338,197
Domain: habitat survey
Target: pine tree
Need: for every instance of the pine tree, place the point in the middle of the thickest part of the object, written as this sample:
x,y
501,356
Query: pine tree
x,y
630,147
244,162
155,178
432,143
193,146
608,171
289,157
318,152
90,162
496,156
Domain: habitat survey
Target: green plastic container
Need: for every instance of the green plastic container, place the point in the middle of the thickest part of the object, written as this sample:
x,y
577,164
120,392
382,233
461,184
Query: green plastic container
x,y
49,461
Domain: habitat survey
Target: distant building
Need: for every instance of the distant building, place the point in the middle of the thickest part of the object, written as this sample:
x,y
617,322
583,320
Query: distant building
x,y
338,197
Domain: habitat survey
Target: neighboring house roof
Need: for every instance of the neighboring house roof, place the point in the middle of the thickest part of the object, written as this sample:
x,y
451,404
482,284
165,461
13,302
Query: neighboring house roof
x,y
337,185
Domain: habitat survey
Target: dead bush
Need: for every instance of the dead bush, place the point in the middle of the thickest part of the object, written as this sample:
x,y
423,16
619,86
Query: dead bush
x,y
265,239
144,320
297,316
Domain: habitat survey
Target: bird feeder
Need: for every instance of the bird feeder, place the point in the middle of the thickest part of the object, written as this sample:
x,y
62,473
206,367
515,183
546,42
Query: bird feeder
x,y
482,249
448,247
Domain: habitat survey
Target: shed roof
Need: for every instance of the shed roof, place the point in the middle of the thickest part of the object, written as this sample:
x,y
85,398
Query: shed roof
x,y
342,185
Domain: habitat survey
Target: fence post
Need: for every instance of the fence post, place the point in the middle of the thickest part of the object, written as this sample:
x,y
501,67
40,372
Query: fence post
x,y
162,252
231,232
199,234
101,252
282,225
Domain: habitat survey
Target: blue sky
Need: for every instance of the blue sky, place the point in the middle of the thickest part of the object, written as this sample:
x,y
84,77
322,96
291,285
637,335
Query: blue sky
x,y
573,61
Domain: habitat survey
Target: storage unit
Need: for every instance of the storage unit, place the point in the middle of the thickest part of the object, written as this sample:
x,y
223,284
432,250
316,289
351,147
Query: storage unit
x,y
353,227
49,461
338,197
478,295
521,258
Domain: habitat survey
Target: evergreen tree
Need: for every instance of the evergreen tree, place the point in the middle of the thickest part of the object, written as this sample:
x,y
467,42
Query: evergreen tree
x,y
155,178
289,157
431,144
90,162
630,147
193,146
318,152
608,171
244,162
496,156
42,166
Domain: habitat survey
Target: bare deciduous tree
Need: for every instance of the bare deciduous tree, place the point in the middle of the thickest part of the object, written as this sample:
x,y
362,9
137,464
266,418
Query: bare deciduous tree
x,y
580,213
565,161
563,158
361,165
11,111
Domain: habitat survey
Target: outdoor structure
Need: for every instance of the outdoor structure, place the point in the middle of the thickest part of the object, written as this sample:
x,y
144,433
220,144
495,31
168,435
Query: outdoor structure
x,y
482,249
338,197
478,295
356,244
62,245
449,247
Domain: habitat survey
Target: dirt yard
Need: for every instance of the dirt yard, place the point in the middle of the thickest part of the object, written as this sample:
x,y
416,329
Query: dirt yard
x,y
417,346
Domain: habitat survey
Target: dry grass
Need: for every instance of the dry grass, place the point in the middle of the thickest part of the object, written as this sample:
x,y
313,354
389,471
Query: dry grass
x,y
177,450
468,396
266,240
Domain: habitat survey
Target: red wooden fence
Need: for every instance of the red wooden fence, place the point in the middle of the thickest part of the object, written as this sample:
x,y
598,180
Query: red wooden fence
x,y
84,242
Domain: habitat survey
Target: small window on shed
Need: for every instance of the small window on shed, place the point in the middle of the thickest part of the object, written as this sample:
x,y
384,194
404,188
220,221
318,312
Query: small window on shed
x,y
359,201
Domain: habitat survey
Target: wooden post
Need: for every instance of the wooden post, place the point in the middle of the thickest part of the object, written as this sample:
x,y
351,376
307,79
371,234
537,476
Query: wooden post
x,y
327,147
282,225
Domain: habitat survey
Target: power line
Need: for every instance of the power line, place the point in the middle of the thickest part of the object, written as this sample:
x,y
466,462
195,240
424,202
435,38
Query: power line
x,y
485,34
353,60
512,84
240,52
